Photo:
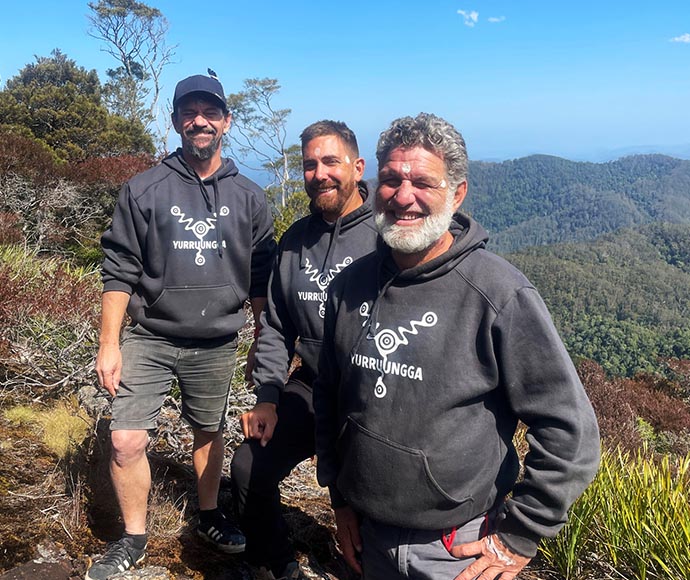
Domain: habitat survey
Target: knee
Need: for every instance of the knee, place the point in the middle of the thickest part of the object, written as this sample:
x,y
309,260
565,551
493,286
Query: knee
x,y
241,466
128,446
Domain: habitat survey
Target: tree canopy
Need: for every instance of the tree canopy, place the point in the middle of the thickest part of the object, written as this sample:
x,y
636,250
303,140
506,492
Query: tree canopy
x,y
621,300
60,104
135,35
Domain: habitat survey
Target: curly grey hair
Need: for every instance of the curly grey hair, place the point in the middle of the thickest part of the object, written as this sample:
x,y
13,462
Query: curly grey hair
x,y
433,134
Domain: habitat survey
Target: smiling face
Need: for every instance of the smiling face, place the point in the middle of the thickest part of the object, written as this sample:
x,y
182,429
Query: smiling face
x,y
414,205
201,124
331,173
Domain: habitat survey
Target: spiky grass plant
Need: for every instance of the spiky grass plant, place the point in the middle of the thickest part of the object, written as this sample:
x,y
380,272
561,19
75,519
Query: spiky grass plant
x,y
634,518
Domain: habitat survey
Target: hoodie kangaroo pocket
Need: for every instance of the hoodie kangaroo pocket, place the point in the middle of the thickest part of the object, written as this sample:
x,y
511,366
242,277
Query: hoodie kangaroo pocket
x,y
389,482
191,306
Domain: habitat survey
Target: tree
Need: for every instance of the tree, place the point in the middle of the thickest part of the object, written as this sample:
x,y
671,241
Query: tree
x,y
259,134
135,35
49,204
60,104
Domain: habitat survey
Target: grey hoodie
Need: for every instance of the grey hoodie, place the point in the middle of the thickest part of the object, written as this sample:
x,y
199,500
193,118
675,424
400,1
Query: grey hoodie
x,y
189,251
423,376
311,253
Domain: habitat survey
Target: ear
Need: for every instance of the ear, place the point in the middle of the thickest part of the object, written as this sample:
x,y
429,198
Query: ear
x,y
359,168
459,195
176,125
227,123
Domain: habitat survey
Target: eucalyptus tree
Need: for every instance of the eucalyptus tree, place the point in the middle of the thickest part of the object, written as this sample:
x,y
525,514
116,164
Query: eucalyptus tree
x,y
135,35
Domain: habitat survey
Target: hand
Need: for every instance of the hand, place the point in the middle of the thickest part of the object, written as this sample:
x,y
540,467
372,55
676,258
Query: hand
x,y
494,560
109,367
251,357
260,422
347,535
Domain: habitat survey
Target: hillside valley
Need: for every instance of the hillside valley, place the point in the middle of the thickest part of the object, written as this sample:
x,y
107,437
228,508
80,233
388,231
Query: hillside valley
x,y
540,200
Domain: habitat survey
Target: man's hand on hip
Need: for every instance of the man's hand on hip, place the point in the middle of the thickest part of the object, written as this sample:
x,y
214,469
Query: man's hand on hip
x,y
494,560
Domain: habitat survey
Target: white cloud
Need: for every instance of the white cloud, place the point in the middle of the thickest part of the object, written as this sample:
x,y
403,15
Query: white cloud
x,y
469,16
682,38
494,19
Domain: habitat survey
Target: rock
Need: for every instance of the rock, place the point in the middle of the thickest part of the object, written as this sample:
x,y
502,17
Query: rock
x,y
51,563
146,573
38,571
94,400
50,553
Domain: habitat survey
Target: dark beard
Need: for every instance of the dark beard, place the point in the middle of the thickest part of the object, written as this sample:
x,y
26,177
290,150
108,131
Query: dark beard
x,y
201,153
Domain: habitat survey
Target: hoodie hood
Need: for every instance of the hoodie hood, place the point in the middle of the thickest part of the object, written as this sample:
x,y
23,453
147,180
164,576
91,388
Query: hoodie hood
x,y
468,235
177,163
317,226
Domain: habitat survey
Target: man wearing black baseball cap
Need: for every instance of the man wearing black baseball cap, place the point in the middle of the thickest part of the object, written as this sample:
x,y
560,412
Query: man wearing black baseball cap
x,y
191,239
202,85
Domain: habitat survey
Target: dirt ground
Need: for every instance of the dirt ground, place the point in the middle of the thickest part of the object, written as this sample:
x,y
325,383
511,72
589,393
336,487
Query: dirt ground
x,y
68,503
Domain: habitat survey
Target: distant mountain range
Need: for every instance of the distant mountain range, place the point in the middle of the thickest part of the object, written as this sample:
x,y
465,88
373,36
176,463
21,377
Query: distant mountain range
x,y
541,199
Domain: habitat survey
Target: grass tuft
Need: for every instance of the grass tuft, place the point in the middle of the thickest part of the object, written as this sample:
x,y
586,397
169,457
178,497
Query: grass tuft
x,y
63,428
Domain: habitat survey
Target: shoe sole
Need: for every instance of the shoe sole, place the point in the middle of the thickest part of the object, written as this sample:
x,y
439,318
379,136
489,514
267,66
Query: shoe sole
x,y
229,549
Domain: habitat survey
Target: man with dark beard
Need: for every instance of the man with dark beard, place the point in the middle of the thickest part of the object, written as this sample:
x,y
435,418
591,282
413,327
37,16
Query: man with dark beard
x,y
433,349
280,428
191,239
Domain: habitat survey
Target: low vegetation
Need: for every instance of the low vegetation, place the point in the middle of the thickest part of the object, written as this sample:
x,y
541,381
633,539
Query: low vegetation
x,y
633,522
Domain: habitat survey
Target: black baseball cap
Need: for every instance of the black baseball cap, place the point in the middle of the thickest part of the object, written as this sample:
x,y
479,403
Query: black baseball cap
x,y
200,84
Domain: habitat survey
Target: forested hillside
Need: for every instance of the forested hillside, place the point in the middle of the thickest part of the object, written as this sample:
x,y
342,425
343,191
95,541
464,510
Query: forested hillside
x,y
622,299
542,200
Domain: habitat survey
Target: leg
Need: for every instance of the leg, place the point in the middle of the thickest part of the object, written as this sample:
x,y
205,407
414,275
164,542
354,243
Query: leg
x,y
146,379
131,475
257,472
207,457
204,372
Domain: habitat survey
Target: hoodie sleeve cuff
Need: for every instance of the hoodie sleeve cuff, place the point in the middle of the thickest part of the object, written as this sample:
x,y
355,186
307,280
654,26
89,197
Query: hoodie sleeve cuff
x,y
517,538
268,394
117,286
337,499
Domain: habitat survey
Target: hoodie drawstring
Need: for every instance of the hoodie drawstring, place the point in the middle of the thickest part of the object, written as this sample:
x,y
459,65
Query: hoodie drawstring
x,y
213,208
333,242
219,236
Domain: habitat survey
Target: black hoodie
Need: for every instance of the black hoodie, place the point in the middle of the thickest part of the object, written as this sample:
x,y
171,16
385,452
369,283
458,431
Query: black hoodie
x,y
189,251
423,376
311,253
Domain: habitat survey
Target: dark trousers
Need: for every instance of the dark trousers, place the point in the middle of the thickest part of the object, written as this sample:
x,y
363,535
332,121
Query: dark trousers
x,y
256,472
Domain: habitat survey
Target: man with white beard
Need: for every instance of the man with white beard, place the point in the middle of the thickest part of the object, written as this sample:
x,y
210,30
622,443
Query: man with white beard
x,y
433,349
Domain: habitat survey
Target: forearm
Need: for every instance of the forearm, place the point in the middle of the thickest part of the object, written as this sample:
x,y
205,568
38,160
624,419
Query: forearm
x,y
114,306
257,304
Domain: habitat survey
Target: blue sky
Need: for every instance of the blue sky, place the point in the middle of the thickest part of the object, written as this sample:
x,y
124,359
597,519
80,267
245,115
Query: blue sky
x,y
582,80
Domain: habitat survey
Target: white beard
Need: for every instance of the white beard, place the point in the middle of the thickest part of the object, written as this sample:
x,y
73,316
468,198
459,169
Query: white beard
x,y
411,239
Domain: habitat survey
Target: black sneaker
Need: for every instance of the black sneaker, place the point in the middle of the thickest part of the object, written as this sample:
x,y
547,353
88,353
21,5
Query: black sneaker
x,y
223,535
118,557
